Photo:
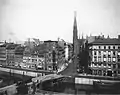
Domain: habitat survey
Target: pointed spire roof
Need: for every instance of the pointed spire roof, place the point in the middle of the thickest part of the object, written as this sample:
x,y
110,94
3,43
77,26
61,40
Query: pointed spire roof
x,y
75,21
75,32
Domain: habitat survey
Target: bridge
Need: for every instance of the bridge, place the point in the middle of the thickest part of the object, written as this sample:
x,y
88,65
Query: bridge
x,y
25,72
47,75
13,88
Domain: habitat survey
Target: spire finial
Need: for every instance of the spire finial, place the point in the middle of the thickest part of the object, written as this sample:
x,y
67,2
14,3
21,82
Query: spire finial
x,y
75,14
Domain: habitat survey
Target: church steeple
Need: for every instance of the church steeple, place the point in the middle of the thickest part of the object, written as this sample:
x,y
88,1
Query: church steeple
x,y
75,32
75,45
75,35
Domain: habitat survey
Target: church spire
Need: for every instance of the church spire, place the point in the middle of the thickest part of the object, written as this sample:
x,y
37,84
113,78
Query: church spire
x,y
75,45
75,21
75,36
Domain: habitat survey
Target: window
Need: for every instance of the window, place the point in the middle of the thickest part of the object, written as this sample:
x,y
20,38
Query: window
x,y
95,59
104,56
104,64
114,53
118,47
32,60
114,66
99,59
118,59
118,53
119,72
104,59
99,47
99,53
109,56
118,66
104,47
113,47
114,59
95,53
109,65
118,56
108,47
104,53
109,59
99,64
109,53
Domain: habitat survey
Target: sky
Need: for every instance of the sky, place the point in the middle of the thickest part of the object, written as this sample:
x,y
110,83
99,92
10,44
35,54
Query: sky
x,y
50,19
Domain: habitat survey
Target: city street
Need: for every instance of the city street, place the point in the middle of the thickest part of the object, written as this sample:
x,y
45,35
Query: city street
x,y
68,70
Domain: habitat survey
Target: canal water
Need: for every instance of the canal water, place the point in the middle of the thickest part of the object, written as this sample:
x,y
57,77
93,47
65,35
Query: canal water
x,y
9,79
68,86
55,87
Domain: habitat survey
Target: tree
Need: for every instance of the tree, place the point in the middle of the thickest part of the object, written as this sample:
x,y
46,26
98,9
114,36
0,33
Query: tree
x,y
84,57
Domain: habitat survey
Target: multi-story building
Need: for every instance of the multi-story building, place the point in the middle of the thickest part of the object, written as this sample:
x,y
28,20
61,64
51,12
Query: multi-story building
x,y
53,53
19,54
105,56
3,54
10,52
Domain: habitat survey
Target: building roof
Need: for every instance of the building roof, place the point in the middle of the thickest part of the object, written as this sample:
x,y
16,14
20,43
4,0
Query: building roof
x,y
106,41
19,50
12,46
48,41
81,41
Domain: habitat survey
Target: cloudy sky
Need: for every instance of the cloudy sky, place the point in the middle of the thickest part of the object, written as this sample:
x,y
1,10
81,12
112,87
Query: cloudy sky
x,y
50,19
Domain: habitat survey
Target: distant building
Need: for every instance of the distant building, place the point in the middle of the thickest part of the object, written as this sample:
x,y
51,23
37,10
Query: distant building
x,y
19,50
3,54
105,56
10,50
